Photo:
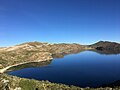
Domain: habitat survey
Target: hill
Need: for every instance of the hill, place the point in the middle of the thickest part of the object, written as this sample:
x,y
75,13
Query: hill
x,y
106,46
34,51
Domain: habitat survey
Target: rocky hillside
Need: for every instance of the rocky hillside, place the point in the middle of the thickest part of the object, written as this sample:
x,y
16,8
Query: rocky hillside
x,y
112,47
34,51
37,51
8,82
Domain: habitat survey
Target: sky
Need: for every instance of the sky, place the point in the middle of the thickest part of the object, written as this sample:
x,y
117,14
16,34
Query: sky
x,y
59,21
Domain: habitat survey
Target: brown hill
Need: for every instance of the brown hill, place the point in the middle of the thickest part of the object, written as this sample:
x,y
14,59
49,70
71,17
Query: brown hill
x,y
106,45
34,51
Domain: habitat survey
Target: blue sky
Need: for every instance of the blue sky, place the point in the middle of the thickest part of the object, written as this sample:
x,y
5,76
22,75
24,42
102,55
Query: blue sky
x,y
56,21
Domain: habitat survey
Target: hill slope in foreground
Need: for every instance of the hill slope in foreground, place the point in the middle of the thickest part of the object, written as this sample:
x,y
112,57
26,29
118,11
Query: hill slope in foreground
x,y
37,52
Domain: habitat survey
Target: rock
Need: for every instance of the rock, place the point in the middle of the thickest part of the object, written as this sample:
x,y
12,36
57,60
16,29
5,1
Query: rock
x,y
5,81
17,88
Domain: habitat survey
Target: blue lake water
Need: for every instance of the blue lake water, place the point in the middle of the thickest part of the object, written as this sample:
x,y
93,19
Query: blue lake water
x,y
85,69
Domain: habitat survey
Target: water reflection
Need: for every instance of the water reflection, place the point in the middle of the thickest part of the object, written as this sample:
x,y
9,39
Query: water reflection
x,y
60,55
83,69
107,52
29,65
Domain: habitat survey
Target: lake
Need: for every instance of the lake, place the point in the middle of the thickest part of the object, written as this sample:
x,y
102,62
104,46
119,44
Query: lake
x,y
84,69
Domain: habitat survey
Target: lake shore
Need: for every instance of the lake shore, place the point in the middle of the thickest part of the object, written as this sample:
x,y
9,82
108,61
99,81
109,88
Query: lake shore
x,y
8,67
8,82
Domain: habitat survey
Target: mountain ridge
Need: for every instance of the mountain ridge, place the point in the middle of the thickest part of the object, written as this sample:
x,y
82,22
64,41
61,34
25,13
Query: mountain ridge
x,y
38,51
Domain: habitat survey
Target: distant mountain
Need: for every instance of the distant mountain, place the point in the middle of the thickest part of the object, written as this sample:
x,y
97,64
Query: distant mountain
x,y
106,45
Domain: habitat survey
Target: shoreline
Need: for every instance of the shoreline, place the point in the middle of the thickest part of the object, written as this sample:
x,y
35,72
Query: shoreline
x,y
8,67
